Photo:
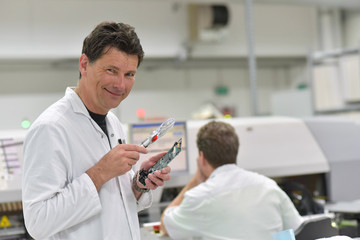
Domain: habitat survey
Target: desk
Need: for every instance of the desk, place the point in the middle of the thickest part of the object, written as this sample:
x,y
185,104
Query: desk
x,y
349,209
147,234
150,217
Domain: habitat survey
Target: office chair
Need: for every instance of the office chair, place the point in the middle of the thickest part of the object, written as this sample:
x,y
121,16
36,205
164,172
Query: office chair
x,y
301,198
318,226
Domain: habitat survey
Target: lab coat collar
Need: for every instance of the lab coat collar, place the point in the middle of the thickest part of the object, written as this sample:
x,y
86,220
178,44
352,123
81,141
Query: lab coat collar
x,y
76,102
79,107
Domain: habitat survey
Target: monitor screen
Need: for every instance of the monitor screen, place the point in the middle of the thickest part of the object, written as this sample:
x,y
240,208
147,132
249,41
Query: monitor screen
x,y
140,131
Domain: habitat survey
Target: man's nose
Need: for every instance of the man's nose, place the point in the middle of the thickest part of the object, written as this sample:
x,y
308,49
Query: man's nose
x,y
120,82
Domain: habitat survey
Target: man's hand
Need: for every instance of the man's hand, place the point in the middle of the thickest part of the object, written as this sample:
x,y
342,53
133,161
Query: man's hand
x,y
199,177
116,162
158,177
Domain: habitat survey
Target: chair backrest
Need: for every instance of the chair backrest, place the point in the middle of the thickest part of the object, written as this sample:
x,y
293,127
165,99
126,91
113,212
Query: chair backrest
x,y
301,198
314,228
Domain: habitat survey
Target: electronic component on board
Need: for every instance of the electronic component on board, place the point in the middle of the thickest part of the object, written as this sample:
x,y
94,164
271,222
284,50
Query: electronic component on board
x,y
163,162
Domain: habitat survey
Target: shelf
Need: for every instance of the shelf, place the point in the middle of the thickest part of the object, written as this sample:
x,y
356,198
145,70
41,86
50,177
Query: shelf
x,y
335,81
348,108
153,63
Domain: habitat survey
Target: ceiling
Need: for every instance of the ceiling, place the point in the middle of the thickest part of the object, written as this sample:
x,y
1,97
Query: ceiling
x,y
344,4
348,4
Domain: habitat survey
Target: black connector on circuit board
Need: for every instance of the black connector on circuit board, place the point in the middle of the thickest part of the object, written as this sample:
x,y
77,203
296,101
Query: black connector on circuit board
x,y
163,162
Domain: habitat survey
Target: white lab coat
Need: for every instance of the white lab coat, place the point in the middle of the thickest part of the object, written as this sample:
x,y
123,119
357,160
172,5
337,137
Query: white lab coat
x,y
59,199
232,204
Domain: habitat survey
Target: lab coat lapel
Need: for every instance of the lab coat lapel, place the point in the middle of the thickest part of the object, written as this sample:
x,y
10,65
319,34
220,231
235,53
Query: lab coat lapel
x,y
125,181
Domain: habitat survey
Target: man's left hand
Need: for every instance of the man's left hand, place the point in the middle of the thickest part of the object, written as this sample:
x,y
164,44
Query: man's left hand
x,y
158,177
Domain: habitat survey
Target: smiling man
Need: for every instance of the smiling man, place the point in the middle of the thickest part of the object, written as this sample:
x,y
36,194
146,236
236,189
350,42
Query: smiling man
x,y
108,81
78,181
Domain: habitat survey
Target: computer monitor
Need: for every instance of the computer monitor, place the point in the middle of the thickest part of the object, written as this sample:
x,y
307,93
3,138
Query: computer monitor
x,y
140,131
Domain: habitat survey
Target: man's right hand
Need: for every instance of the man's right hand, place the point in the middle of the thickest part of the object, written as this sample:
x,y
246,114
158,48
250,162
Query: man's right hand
x,y
116,162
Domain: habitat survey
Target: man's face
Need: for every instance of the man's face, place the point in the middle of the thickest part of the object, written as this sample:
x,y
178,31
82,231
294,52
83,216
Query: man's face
x,y
107,81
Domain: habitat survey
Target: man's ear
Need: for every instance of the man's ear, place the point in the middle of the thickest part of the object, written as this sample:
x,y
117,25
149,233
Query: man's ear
x,y
83,63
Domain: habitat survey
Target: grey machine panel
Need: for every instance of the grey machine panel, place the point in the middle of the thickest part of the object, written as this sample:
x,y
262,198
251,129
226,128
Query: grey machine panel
x,y
339,139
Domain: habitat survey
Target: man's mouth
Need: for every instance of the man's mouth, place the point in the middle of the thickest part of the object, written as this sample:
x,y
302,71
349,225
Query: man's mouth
x,y
118,93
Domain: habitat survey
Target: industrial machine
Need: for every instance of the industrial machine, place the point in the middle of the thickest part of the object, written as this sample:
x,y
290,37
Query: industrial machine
x,y
278,147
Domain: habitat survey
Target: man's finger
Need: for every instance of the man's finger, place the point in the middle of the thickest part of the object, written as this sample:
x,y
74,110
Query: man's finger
x,y
157,157
133,147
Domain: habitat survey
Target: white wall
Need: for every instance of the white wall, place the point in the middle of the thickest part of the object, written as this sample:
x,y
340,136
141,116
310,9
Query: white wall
x,y
41,41
163,92
352,26
16,108
279,30
55,29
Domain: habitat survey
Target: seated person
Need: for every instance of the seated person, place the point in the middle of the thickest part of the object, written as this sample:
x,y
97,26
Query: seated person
x,y
224,201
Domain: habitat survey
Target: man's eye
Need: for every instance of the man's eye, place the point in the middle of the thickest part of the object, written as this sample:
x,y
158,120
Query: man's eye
x,y
111,70
130,74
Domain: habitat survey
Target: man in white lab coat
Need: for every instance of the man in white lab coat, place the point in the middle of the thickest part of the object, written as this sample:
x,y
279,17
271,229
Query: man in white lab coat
x,y
78,181
224,201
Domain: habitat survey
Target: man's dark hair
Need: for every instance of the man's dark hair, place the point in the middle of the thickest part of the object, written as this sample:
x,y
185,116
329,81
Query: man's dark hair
x,y
219,143
108,35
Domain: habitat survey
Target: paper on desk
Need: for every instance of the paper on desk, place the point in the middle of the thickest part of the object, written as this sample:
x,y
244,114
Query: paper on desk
x,y
336,238
150,225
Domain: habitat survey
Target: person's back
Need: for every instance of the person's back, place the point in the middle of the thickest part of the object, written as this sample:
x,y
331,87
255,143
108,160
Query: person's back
x,y
233,204
227,202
